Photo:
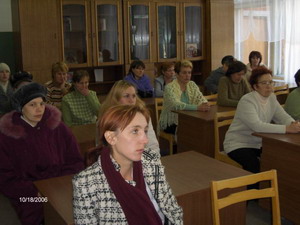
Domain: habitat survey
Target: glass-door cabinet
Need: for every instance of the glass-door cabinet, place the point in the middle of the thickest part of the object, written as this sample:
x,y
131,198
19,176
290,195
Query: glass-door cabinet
x,y
75,32
139,32
168,41
193,31
108,39
91,32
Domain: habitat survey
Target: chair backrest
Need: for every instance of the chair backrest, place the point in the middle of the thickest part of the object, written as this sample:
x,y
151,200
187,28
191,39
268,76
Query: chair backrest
x,y
282,90
244,195
158,107
222,122
85,136
281,93
212,99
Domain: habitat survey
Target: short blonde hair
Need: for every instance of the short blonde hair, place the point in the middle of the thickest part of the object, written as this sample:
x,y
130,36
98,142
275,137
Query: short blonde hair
x,y
59,67
183,63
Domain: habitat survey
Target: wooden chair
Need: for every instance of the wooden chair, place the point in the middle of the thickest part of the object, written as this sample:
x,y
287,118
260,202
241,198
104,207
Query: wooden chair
x,y
169,137
212,99
245,195
85,136
222,120
281,93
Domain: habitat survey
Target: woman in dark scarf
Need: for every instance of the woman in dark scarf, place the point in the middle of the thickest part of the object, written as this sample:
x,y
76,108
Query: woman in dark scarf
x,y
127,184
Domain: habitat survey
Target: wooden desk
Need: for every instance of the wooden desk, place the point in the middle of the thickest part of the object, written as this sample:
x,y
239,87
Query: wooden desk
x,y
85,136
195,130
189,175
282,152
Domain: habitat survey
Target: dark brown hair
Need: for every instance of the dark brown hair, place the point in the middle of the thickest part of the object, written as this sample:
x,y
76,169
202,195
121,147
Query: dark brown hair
x,y
255,54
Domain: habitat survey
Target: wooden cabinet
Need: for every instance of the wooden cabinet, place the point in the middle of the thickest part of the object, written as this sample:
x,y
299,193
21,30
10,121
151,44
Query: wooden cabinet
x,y
91,32
159,31
163,31
35,27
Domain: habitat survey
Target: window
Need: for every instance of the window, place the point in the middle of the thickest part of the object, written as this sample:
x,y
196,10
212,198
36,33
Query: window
x,y
269,27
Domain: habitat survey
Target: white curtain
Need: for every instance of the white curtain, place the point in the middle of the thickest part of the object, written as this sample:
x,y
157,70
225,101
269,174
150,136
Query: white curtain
x,y
271,21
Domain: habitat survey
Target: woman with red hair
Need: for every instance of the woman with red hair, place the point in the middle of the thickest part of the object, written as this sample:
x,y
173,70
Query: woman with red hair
x,y
126,184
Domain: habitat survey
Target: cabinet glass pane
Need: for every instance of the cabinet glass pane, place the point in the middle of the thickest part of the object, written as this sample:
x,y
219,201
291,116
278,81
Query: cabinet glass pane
x,y
74,34
167,32
193,31
108,33
139,32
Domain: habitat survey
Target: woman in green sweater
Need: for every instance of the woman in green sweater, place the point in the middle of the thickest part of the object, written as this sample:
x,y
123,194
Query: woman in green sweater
x,y
81,105
233,85
292,104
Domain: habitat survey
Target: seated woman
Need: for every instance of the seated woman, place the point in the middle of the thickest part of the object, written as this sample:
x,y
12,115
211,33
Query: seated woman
x,y
6,89
166,75
126,184
233,85
81,105
124,93
256,112
181,94
34,145
58,86
292,104
255,59
141,81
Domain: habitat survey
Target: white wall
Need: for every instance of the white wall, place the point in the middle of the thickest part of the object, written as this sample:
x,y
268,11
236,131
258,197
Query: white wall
x,y
5,16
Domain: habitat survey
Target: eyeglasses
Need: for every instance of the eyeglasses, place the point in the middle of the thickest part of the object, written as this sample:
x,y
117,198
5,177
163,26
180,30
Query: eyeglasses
x,y
265,83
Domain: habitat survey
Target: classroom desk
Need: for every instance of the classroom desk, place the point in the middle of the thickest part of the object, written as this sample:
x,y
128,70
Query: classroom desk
x,y
282,152
189,175
195,130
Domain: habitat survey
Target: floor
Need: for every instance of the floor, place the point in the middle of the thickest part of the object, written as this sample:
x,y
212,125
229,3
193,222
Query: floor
x,y
255,215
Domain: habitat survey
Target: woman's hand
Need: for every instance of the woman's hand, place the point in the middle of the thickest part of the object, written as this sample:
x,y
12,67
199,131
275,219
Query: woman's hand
x,y
204,107
293,128
84,91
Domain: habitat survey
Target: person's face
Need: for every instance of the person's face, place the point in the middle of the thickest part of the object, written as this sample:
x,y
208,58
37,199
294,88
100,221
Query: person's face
x,y
33,111
184,75
128,145
237,77
82,84
128,97
138,72
255,61
169,73
60,77
264,85
4,76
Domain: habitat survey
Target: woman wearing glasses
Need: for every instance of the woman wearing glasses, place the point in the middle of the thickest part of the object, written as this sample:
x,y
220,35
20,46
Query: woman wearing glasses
x,y
255,112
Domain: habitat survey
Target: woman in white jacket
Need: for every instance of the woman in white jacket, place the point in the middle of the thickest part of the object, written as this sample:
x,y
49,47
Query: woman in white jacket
x,y
255,113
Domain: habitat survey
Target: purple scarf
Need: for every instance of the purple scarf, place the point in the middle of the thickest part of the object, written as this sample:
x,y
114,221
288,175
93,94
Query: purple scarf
x,y
134,201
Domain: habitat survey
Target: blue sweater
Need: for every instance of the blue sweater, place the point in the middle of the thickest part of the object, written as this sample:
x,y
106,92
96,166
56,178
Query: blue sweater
x,y
143,85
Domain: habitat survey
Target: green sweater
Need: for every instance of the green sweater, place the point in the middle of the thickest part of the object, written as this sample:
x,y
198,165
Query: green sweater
x,y
229,93
292,104
78,109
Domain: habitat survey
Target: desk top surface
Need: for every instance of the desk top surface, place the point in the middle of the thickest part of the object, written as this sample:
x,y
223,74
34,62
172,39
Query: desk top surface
x,y
186,172
293,139
209,115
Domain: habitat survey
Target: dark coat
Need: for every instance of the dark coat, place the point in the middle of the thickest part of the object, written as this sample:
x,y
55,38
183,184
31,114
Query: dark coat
x,y
31,153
